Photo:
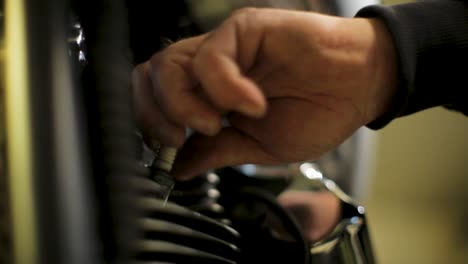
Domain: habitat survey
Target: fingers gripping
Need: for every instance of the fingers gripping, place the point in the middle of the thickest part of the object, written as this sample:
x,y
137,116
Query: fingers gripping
x,y
220,64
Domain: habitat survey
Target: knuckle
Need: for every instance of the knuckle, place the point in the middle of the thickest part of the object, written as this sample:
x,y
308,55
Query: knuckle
x,y
206,57
246,20
138,81
139,68
244,16
156,60
138,72
244,12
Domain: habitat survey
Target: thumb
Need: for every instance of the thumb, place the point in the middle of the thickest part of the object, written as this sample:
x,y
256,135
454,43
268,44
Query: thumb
x,y
228,148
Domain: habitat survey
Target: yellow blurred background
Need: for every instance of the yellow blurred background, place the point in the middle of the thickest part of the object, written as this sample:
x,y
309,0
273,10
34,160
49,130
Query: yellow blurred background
x,y
417,203
418,196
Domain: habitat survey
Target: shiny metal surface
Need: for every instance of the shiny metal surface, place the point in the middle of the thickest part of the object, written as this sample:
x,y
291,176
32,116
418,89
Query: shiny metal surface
x,y
76,43
349,242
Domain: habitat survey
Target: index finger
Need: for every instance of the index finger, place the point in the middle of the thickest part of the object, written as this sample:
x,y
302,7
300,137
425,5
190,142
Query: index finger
x,y
173,88
222,60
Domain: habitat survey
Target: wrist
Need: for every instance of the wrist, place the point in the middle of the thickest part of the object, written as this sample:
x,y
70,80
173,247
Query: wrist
x,y
385,77
369,47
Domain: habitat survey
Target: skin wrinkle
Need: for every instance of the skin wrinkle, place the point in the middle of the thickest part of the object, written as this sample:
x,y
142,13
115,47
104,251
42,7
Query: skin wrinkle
x,y
316,104
272,159
156,81
144,115
314,72
312,97
265,149
183,62
175,63
258,37
311,100
257,77
239,49
289,155
281,69
265,76
208,57
232,117
362,113
309,95
232,78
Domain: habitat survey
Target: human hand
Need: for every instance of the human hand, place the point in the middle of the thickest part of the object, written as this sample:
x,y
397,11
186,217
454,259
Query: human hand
x,y
293,85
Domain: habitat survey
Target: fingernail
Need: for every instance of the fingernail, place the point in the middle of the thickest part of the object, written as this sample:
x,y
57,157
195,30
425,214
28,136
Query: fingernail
x,y
251,110
203,125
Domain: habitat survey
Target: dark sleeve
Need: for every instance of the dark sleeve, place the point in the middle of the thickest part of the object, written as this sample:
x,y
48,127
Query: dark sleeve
x,y
431,41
